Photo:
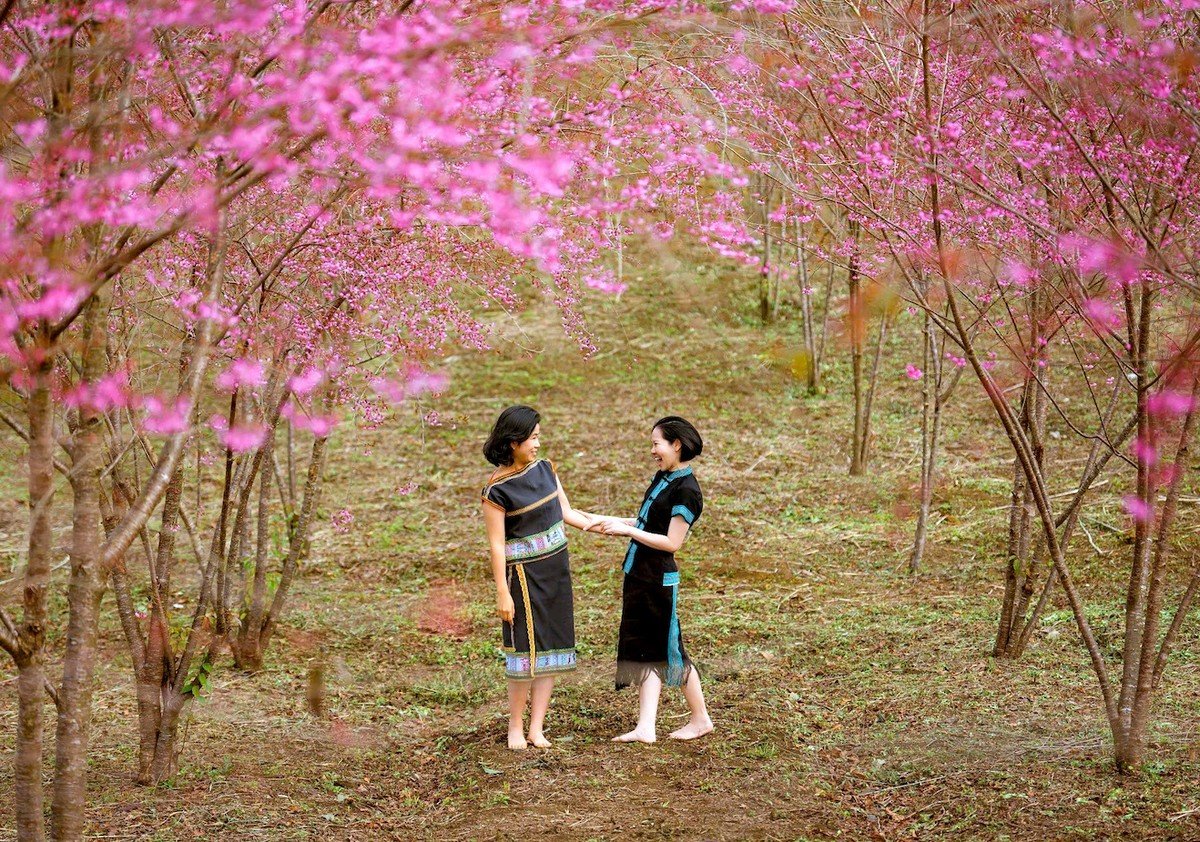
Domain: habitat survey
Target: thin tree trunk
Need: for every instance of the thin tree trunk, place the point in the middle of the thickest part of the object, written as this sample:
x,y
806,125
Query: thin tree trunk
x,y
829,278
1128,750
1098,458
28,647
223,522
777,273
857,330
764,274
83,597
1022,569
290,503
247,651
865,443
932,401
1144,692
159,703
31,639
806,313
312,490
1020,562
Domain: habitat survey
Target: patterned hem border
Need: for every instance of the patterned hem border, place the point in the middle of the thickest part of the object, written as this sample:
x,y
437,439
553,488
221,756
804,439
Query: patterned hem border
x,y
525,676
517,664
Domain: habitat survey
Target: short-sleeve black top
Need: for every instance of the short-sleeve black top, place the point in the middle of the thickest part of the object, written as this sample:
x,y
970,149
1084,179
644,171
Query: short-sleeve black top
x,y
669,494
533,518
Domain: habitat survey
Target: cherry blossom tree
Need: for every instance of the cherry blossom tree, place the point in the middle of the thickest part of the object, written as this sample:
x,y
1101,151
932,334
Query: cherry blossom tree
x,y
1028,174
227,224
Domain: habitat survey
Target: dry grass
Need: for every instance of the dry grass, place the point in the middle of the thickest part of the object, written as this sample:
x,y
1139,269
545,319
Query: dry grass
x,y
851,700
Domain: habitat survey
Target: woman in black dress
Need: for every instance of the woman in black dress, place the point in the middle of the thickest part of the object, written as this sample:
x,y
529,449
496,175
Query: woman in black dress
x,y
524,509
650,651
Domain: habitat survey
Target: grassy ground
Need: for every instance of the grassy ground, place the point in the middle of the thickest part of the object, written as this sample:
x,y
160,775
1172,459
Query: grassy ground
x,y
851,700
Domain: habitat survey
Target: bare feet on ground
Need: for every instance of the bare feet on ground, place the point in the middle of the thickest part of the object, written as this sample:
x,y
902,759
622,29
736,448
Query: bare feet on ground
x,y
635,736
695,728
538,740
516,741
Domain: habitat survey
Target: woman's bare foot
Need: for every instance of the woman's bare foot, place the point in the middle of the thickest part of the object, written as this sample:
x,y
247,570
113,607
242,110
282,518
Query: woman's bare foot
x,y
516,741
538,740
695,728
637,735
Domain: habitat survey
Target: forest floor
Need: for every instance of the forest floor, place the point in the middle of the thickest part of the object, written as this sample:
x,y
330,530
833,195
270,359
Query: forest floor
x,y
851,699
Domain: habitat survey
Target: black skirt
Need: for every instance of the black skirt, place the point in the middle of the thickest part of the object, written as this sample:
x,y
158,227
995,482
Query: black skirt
x,y
650,639
540,640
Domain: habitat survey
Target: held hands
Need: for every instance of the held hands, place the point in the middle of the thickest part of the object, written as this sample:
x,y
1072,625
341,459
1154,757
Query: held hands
x,y
607,525
616,526
591,523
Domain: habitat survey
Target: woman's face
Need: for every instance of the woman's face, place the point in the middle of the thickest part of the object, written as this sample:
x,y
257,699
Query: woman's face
x,y
665,453
526,451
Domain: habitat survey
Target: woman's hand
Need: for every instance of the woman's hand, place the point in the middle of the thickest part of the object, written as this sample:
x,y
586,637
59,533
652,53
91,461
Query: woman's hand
x,y
595,523
616,526
504,606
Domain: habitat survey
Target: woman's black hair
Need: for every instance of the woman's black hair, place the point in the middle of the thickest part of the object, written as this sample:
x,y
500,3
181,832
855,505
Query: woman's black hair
x,y
676,429
515,424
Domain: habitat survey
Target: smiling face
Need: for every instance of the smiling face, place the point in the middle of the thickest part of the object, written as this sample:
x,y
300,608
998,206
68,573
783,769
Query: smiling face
x,y
665,453
526,451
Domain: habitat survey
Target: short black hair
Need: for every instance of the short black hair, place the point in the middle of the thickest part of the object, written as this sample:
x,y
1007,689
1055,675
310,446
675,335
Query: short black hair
x,y
676,429
515,424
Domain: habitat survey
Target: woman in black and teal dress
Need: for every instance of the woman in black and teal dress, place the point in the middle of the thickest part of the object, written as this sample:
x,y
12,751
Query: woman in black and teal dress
x,y
524,510
650,650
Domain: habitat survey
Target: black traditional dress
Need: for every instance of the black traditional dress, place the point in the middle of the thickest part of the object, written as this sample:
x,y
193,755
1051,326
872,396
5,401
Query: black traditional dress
x,y
650,640
541,638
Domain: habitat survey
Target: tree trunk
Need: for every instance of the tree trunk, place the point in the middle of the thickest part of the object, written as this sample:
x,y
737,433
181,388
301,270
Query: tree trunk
x,y
83,597
1098,458
166,749
1147,661
31,639
857,330
247,649
28,647
864,445
1021,559
312,491
154,676
932,401
764,274
1129,748
806,313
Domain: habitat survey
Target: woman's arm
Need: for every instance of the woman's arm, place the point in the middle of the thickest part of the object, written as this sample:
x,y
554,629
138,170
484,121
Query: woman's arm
x,y
599,519
574,517
493,519
671,542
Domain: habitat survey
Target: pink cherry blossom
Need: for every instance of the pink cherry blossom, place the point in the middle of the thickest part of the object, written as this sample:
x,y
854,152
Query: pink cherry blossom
x,y
242,437
418,381
342,520
242,373
305,382
1137,508
166,416
1170,402
1144,451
